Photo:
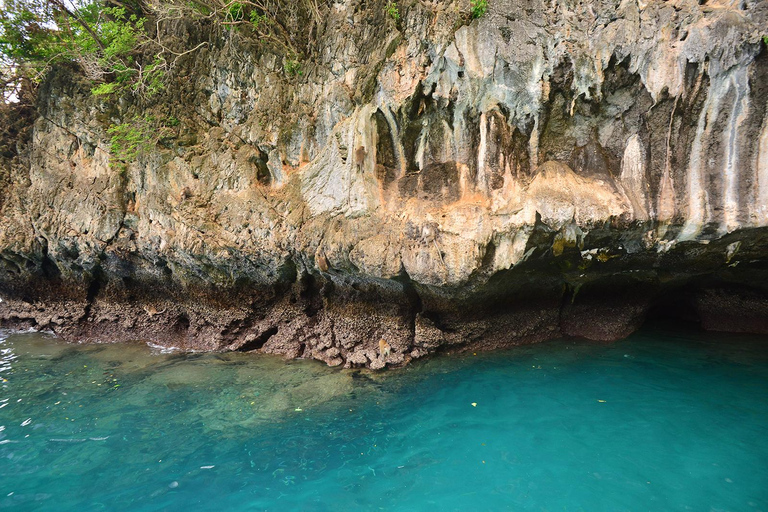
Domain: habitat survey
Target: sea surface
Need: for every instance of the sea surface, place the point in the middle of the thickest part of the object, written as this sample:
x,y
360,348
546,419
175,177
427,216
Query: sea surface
x,y
666,420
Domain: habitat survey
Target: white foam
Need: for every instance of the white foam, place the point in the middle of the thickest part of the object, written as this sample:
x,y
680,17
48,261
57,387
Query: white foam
x,y
160,349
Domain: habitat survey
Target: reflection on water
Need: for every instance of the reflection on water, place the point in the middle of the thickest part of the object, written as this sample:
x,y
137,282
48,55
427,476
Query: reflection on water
x,y
661,421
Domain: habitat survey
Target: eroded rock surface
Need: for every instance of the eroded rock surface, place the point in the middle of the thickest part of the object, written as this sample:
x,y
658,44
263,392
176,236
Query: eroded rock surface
x,y
552,168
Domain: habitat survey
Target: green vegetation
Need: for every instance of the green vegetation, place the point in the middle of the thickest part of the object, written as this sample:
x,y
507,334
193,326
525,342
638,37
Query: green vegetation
x,y
293,66
130,139
137,136
108,39
117,46
199,7
258,20
392,11
105,41
235,12
478,8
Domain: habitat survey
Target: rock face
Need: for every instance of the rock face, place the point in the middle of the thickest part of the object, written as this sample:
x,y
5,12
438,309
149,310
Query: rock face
x,y
551,168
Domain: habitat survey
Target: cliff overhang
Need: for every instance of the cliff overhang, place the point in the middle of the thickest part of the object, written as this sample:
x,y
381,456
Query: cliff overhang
x,y
545,170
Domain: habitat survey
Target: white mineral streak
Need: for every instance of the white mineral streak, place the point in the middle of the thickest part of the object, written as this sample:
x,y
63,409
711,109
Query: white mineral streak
x,y
633,177
482,75
699,211
665,205
739,81
536,90
731,83
533,144
482,183
420,149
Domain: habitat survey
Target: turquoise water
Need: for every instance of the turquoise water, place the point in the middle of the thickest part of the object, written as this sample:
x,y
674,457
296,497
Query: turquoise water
x,y
661,421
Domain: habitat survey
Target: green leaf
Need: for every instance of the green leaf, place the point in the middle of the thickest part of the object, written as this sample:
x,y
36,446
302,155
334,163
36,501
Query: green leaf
x,y
105,89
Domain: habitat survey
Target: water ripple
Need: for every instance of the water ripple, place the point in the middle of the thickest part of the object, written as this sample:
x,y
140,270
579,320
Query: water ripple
x,y
678,424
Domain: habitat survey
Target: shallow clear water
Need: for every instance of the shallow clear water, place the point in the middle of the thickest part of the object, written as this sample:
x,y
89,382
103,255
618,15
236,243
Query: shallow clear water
x,y
662,421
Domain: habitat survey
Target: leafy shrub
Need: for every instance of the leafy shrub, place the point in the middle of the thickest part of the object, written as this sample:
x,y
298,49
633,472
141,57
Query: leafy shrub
x,y
258,19
477,8
132,138
293,66
105,41
392,11
235,12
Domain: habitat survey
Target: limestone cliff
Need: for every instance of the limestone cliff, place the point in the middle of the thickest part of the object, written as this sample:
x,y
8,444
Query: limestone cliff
x,y
551,168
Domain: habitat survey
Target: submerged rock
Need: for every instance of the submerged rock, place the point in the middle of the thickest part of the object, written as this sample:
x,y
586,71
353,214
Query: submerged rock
x,y
549,169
